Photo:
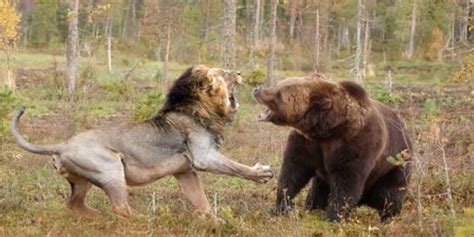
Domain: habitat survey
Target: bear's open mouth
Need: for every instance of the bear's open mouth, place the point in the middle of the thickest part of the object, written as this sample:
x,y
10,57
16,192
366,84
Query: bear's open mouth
x,y
265,115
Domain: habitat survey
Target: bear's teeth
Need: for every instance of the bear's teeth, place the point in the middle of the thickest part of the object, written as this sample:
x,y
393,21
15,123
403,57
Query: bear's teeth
x,y
265,115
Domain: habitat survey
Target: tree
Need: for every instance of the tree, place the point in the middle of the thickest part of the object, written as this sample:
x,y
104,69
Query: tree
x,y
9,20
411,45
293,12
229,34
168,10
272,42
72,42
317,42
255,33
44,26
357,71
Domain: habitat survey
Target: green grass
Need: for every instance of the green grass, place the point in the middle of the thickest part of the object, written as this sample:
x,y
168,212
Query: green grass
x,y
32,194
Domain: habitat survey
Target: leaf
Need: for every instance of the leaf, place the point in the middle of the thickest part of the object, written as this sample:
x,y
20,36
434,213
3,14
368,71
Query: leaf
x,y
397,160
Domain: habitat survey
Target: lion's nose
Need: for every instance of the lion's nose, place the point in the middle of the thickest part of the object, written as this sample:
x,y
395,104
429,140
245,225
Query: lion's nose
x,y
257,89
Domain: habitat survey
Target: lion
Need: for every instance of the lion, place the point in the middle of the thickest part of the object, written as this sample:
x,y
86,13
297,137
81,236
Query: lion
x,y
342,140
180,139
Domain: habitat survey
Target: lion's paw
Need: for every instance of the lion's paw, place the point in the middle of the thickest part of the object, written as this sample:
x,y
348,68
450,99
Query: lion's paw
x,y
263,173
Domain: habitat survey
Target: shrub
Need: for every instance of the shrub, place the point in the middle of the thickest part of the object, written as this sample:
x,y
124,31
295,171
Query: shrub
x,y
158,75
256,77
148,105
7,104
114,86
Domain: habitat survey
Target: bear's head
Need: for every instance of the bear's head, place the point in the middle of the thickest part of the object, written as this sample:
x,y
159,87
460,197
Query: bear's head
x,y
315,107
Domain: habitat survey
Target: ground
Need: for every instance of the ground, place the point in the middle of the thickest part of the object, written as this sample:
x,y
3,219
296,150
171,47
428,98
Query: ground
x,y
438,115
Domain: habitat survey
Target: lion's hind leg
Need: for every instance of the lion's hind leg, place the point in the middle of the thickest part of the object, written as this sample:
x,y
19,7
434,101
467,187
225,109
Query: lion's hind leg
x,y
76,201
104,169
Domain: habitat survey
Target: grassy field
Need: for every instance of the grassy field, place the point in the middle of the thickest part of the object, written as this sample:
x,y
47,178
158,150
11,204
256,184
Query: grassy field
x,y
438,114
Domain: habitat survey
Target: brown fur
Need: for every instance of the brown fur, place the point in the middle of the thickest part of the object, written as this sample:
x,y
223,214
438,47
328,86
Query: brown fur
x,y
343,137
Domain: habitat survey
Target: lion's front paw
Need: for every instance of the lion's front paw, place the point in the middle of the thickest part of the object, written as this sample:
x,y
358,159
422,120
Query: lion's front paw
x,y
263,173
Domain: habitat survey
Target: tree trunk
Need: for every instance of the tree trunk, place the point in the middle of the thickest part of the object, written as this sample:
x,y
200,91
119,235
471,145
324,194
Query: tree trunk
x,y
167,51
71,52
271,43
357,71
257,22
464,28
366,48
411,45
11,82
317,40
125,20
345,36
207,22
134,25
453,34
293,6
229,34
109,50
255,35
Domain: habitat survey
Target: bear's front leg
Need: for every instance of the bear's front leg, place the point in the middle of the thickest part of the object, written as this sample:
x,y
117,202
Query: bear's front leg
x,y
295,172
293,177
346,185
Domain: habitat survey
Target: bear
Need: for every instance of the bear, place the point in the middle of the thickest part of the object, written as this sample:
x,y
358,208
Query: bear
x,y
342,140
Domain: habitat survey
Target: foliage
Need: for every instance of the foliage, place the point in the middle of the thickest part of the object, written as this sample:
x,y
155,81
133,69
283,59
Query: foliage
x,y
7,102
466,73
9,20
383,95
148,105
431,107
115,87
256,77
44,23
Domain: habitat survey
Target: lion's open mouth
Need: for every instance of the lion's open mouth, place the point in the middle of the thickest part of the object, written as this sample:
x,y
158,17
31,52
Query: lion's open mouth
x,y
265,115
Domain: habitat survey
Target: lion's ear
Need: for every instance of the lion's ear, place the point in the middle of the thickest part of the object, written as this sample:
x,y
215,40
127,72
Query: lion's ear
x,y
212,77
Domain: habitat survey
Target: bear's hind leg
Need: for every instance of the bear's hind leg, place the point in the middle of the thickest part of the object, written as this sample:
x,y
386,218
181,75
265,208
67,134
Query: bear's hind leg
x,y
317,198
388,193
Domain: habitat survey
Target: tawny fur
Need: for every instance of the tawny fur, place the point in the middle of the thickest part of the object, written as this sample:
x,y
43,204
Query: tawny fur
x,y
179,139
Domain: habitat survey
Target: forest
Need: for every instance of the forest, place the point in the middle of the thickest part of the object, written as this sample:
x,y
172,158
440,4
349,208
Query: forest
x,y
78,65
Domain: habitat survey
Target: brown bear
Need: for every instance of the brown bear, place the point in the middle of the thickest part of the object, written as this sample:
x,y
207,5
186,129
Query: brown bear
x,y
343,140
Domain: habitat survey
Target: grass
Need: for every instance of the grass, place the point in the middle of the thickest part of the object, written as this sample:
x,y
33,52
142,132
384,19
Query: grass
x,y
32,194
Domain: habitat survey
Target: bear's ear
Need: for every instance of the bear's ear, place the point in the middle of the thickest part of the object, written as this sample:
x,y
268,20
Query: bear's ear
x,y
319,118
355,91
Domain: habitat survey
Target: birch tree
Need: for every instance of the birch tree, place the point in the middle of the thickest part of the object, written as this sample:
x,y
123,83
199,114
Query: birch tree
x,y
411,44
356,69
229,34
293,7
465,28
255,33
366,47
72,42
317,42
9,20
271,43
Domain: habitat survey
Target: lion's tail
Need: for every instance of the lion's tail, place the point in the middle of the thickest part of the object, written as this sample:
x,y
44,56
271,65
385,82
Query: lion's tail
x,y
39,149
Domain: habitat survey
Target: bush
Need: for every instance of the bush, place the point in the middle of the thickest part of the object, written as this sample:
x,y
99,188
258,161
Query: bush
x,y
7,104
148,106
115,87
381,94
158,75
256,77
